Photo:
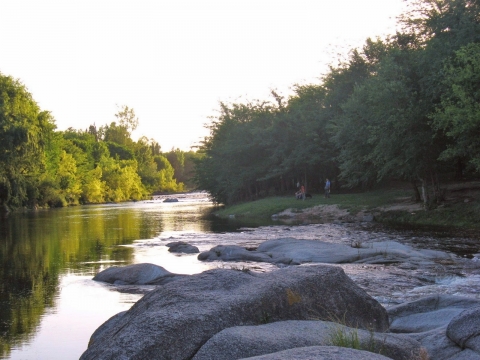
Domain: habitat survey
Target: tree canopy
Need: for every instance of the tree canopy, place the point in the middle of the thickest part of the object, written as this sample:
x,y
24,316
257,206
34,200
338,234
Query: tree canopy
x,y
41,166
404,107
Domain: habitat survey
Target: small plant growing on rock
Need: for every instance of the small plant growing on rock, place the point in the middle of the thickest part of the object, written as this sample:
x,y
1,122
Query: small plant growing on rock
x,y
344,338
266,318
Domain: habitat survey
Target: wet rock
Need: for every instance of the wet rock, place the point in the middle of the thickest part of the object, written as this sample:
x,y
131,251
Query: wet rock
x,y
175,320
182,247
321,353
464,329
136,274
245,341
170,200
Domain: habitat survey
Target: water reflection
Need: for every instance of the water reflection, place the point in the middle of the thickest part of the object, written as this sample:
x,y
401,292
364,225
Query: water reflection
x,y
42,251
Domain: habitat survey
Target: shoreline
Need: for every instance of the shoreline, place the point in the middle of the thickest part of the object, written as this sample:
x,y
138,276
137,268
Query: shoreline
x,y
460,208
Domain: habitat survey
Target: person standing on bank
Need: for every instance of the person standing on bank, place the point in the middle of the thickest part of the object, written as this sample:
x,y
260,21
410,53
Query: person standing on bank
x,y
327,188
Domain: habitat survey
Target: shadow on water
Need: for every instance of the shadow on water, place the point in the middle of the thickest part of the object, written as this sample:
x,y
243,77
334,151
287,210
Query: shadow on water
x,y
221,225
462,242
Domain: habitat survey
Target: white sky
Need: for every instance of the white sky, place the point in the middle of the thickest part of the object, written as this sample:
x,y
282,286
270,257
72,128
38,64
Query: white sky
x,y
173,61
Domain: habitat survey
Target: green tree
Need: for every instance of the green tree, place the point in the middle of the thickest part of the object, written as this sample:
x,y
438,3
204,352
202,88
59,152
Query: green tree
x,y
23,131
94,188
176,157
69,184
458,114
166,175
122,181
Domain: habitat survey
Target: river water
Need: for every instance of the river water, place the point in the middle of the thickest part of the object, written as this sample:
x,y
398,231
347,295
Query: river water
x,y
49,304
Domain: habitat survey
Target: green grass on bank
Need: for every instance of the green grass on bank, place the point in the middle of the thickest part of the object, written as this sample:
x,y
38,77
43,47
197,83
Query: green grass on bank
x,y
265,208
451,214
459,215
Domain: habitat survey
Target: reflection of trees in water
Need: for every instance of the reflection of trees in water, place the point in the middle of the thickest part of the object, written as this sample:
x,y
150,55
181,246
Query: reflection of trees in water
x,y
26,291
37,248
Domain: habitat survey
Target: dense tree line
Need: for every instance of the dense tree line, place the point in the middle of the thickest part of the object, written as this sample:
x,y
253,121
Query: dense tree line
x,y
405,107
40,166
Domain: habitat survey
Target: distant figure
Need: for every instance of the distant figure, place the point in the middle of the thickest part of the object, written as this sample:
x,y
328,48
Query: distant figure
x,y
300,194
327,188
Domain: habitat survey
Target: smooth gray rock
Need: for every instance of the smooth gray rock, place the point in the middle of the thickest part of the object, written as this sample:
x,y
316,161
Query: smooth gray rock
x,y
466,354
306,251
245,341
437,344
426,320
233,253
175,320
136,274
464,329
110,323
368,218
427,313
182,247
292,251
320,353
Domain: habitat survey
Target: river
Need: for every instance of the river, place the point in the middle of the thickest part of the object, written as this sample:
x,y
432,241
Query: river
x,y
49,305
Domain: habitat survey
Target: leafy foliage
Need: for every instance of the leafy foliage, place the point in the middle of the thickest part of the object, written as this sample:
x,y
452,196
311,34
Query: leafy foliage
x,y
44,167
405,107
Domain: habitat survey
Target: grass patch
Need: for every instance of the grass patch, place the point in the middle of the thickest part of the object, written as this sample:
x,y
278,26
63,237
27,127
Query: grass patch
x,y
461,215
339,336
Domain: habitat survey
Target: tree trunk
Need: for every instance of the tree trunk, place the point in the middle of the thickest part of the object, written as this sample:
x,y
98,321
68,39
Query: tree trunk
x,y
426,199
416,191
459,169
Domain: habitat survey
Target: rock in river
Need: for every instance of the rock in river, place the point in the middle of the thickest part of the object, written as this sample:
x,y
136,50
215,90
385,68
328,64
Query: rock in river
x,y
175,320
136,274
290,251
182,247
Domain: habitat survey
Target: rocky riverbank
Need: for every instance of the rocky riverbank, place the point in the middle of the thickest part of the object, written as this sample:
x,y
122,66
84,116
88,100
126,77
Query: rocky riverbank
x,y
296,312
296,306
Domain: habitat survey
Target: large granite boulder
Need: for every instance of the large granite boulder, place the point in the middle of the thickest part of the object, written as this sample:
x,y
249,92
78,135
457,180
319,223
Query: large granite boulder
x,y
442,324
320,353
245,341
175,320
427,313
291,251
136,274
464,329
